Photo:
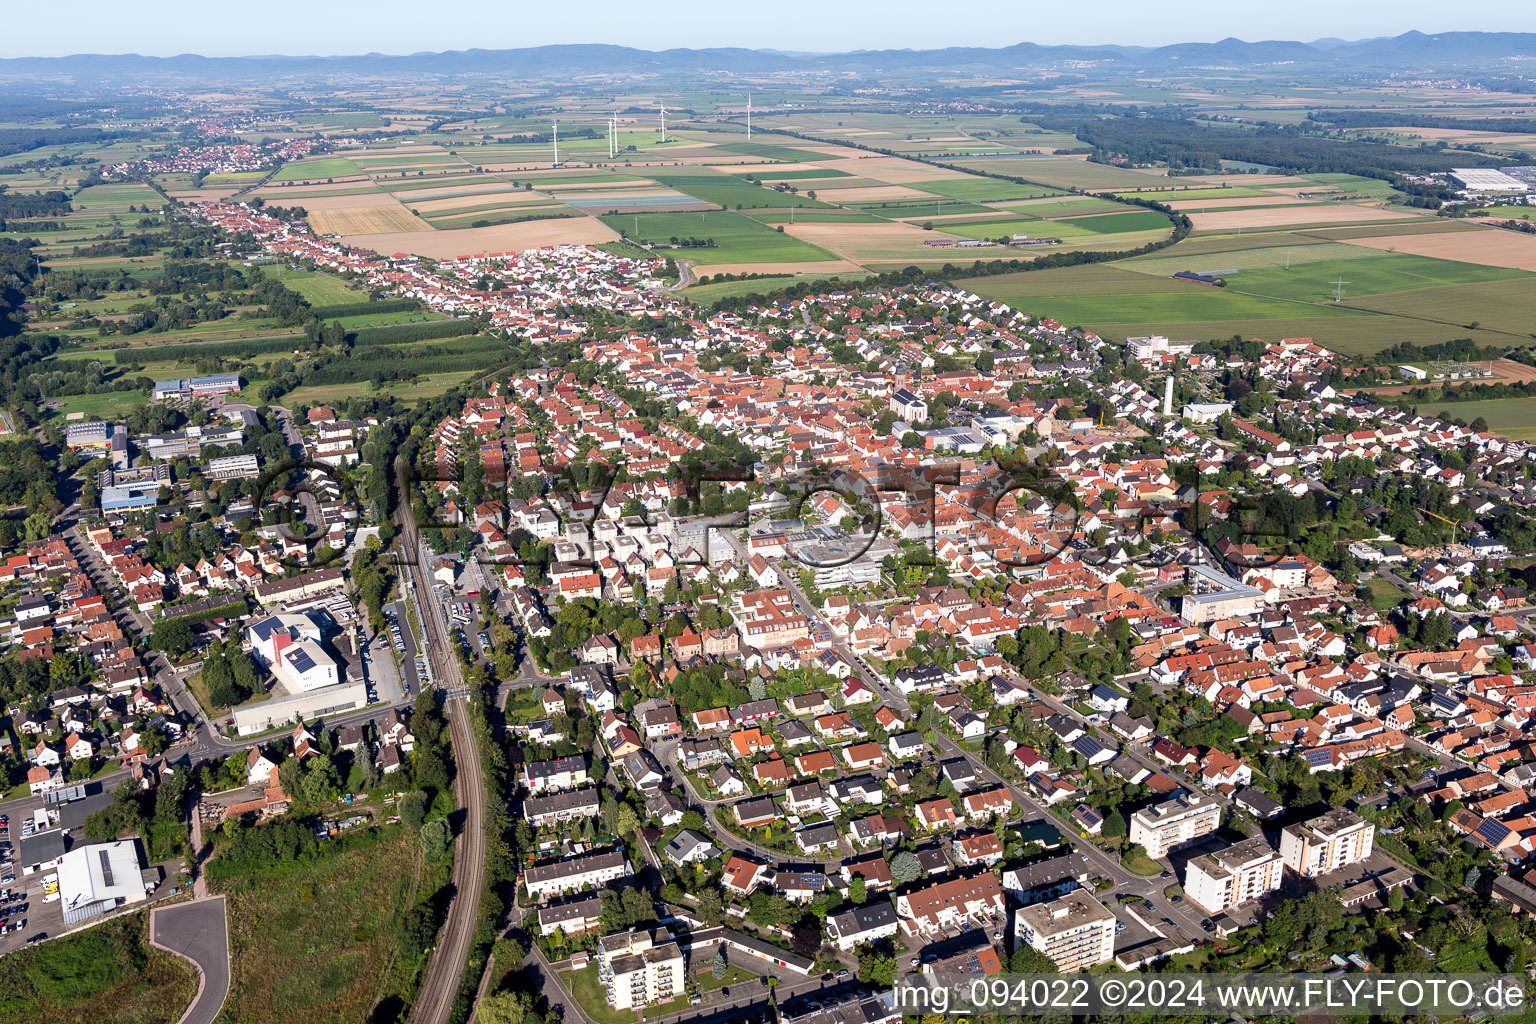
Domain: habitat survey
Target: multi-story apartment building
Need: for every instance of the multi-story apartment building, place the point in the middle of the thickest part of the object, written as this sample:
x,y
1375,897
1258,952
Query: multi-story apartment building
x,y
1172,823
1326,843
591,870
559,774
1243,871
1076,931
640,968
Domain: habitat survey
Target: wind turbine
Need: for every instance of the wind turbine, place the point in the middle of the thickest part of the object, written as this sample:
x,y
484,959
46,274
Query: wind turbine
x,y
663,122
557,142
1338,289
749,116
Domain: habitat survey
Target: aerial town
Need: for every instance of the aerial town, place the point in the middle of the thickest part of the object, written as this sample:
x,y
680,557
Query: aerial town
x,y
598,631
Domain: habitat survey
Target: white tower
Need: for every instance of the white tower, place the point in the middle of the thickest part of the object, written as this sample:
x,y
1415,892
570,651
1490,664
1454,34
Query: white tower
x,y
749,117
663,122
1168,397
557,142
610,139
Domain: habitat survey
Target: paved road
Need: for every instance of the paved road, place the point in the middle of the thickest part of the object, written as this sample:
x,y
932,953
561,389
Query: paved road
x,y
198,932
434,1002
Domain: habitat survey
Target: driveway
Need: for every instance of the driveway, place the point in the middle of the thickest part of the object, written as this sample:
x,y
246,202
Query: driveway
x,y
198,932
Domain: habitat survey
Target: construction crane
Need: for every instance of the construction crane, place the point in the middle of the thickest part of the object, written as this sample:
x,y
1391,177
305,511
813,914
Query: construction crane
x,y
1434,515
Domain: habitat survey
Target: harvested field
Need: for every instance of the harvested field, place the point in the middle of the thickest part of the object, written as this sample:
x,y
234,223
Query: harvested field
x,y
366,220
498,238
1250,179
879,193
469,204
1239,203
862,242
896,171
278,189
1505,371
820,268
1287,216
360,201
1491,248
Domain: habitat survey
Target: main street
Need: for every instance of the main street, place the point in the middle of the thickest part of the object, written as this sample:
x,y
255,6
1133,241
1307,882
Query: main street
x,y
445,971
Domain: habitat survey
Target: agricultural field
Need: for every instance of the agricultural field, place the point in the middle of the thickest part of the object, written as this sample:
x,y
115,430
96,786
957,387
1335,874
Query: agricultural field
x,y
108,974
738,238
1512,417
318,169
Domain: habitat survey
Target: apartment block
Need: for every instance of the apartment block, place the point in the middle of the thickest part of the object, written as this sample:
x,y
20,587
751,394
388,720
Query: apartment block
x,y
589,871
1076,931
1326,843
640,968
1172,823
1227,878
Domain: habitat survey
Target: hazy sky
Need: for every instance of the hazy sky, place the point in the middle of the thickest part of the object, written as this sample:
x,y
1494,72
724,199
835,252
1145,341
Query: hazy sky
x,y
164,27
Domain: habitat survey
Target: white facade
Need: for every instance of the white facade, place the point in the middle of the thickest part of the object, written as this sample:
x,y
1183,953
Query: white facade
x,y
1327,843
1076,931
1172,823
1228,878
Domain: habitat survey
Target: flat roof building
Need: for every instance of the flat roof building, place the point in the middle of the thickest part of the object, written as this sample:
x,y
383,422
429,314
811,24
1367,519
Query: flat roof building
x,y
1172,823
1076,931
1227,878
1326,843
100,878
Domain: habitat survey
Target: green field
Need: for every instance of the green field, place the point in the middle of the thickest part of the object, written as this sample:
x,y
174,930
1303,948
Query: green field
x,y
738,238
108,974
108,405
786,153
759,171
427,386
318,288
317,940
979,189
706,294
317,168
1117,223
1067,172
728,190
1512,417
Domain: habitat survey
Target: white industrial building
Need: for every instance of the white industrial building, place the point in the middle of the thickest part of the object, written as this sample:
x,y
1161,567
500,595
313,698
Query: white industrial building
x,y
1486,179
99,878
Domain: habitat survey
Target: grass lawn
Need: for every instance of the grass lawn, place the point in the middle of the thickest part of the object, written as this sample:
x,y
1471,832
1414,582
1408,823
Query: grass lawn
x,y
108,405
108,974
589,993
1137,861
318,288
705,981
1385,594
315,941
738,239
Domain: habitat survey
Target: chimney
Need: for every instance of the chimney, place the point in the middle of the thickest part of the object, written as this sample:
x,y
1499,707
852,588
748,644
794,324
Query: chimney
x,y
1168,397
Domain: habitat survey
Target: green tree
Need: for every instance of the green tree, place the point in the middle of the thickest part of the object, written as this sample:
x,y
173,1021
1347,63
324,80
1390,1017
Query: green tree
x,y
858,892
434,840
718,967
413,809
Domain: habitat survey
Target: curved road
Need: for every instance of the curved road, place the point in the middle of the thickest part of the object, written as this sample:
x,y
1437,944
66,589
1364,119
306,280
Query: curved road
x,y
197,932
445,971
